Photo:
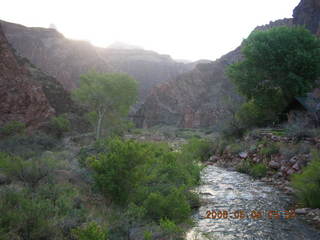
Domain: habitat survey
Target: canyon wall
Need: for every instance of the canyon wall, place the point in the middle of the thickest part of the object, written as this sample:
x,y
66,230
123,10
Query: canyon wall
x,y
67,59
26,94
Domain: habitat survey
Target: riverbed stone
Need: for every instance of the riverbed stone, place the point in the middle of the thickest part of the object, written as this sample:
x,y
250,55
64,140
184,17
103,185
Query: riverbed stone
x,y
274,165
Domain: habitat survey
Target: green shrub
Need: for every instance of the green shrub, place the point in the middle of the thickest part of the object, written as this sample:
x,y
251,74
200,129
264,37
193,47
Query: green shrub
x,y
201,149
258,170
270,150
255,170
173,206
28,146
92,231
115,171
307,183
13,128
172,231
26,214
235,148
30,172
147,175
244,167
250,115
147,235
59,125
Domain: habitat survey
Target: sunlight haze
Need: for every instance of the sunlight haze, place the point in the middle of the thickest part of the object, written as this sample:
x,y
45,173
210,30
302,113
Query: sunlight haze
x,y
184,29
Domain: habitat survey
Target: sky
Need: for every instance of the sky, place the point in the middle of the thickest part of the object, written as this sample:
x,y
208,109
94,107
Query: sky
x,y
184,29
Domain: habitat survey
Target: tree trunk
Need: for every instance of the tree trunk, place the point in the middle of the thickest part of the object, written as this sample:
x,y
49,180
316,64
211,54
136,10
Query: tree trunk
x,y
100,117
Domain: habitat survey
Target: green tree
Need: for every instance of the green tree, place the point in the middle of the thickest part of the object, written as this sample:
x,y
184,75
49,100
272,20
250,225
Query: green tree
x,y
279,64
109,96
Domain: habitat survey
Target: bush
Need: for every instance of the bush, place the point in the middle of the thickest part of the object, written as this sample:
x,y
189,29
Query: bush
x,y
244,167
171,230
173,205
29,172
235,148
250,114
258,170
13,128
255,170
199,148
92,231
29,214
148,176
307,183
59,125
270,150
28,146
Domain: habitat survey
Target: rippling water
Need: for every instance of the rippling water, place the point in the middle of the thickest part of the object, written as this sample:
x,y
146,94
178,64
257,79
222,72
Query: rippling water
x,y
237,193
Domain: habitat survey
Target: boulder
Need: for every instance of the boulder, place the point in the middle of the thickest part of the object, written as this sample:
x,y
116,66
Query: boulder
x,y
274,165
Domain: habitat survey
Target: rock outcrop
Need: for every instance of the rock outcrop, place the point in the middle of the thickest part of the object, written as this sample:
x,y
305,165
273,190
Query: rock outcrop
x,y
307,13
199,98
26,94
67,59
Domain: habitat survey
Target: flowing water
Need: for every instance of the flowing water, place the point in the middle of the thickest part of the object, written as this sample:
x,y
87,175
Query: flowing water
x,y
248,204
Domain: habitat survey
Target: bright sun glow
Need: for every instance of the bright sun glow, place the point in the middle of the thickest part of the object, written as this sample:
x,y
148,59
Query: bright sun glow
x,y
185,29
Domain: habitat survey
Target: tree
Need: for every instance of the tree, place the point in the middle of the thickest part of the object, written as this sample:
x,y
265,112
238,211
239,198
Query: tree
x,y
109,96
279,64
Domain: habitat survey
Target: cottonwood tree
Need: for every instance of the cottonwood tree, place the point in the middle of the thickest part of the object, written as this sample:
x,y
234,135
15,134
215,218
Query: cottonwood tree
x,y
279,64
108,96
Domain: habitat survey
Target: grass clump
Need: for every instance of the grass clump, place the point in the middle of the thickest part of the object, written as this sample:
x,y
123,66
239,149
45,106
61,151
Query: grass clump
x,y
258,170
59,125
307,183
12,128
269,150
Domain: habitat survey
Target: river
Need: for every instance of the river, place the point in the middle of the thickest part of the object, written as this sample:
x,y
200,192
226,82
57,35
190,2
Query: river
x,y
253,210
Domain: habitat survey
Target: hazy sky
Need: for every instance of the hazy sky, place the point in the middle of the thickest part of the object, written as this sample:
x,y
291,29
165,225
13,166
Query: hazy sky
x,y
185,29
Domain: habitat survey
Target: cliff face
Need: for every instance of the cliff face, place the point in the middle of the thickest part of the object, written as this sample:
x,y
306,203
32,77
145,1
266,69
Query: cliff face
x,y
307,13
26,94
67,59
198,98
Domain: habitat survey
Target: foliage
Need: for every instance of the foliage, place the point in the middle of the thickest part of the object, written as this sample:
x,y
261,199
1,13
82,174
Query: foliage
x,y
235,148
26,214
258,170
13,128
109,96
147,235
91,231
171,229
147,176
28,146
307,183
279,64
29,172
250,114
59,125
198,148
244,167
270,150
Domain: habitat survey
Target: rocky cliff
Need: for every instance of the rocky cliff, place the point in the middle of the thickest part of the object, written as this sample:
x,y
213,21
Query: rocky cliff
x,y
199,98
307,13
67,59
26,94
